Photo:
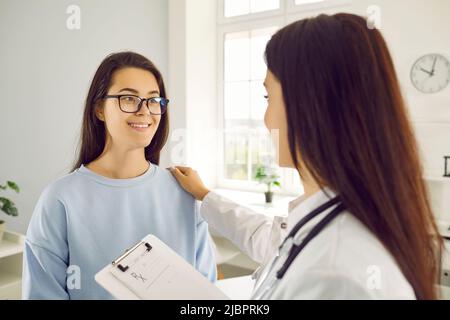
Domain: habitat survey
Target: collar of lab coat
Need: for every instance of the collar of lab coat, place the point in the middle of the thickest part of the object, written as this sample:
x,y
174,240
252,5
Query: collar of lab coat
x,y
302,206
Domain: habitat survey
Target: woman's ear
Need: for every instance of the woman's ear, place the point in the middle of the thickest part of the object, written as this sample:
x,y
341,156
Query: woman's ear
x,y
99,112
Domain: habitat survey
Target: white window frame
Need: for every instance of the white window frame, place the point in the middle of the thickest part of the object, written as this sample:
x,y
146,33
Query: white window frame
x,y
291,7
222,182
288,12
247,17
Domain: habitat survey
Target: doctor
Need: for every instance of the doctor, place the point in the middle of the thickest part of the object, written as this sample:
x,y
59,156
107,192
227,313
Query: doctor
x,y
364,228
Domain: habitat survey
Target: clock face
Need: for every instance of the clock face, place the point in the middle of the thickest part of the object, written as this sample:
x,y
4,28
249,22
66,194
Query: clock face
x,y
431,73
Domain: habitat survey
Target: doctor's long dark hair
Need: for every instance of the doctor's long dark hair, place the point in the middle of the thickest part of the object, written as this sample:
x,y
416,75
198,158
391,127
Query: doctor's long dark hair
x,y
348,124
93,134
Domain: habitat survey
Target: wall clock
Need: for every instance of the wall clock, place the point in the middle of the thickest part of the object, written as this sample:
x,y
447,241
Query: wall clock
x,y
431,73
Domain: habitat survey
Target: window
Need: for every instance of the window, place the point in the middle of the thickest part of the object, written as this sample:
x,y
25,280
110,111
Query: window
x,y
313,5
234,8
245,27
246,142
301,2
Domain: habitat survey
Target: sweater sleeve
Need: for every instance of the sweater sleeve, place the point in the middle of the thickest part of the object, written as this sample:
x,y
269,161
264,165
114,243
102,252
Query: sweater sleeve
x,y
205,260
46,251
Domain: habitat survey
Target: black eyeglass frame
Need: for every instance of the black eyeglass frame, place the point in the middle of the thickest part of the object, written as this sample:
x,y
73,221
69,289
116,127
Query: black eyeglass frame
x,y
163,102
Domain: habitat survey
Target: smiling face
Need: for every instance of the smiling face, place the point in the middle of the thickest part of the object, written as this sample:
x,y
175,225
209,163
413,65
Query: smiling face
x,y
275,119
130,130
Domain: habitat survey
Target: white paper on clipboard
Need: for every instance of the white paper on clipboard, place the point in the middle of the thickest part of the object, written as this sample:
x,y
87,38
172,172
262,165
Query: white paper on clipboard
x,y
151,271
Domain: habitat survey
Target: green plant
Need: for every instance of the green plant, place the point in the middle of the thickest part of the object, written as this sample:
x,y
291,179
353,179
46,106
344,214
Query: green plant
x,y
6,205
263,175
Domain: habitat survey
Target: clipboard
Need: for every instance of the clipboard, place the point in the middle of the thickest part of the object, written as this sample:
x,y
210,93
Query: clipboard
x,y
150,270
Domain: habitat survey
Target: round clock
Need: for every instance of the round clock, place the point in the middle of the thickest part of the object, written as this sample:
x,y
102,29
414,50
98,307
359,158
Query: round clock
x,y
431,73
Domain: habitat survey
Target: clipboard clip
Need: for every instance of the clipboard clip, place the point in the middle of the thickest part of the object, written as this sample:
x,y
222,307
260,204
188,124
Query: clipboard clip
x,y
127,252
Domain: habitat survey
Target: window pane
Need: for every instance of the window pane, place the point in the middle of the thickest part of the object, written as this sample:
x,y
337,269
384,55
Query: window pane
x,y
234,8
258,104
264,5
300,2
261,150
244,103
259,39
237,56
237,100
236,149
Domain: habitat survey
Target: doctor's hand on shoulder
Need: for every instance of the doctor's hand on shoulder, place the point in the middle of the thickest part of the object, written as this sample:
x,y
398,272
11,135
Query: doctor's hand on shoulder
x,y
190,180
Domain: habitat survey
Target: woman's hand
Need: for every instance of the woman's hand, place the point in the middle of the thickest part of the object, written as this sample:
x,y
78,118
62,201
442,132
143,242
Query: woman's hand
x,y
190,181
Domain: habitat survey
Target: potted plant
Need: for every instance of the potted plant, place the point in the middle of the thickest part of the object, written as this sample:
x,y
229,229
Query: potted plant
x,y
7,206
267,176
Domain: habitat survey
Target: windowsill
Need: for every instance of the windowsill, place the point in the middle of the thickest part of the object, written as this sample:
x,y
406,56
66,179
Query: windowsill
x,y
256,201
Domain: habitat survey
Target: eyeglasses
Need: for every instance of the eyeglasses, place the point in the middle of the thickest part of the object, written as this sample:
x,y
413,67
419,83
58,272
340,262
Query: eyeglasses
x,y
131,104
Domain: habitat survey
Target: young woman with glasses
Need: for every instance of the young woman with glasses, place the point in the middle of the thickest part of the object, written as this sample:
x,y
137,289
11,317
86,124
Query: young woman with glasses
x,y
116,194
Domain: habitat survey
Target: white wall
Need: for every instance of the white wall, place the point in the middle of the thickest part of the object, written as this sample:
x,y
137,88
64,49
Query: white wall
x,y
413,28
193,85
176,81
46,71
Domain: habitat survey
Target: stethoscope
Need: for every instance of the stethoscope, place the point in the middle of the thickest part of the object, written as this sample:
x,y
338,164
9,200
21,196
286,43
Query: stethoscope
x,y
292,249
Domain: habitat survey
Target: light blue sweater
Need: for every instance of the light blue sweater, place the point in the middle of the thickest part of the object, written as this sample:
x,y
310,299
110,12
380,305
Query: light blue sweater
x,y
83,221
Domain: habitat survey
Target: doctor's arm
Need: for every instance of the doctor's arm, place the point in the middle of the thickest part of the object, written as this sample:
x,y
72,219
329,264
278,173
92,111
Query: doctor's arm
x,y
46,253
255,234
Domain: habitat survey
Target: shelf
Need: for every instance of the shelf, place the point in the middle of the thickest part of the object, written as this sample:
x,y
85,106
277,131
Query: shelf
x,y
13,243
11,255
445,292
437,178
9,278
10,286
443,227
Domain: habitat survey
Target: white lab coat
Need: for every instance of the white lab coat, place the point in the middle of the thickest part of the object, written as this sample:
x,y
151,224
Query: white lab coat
x,y
344,261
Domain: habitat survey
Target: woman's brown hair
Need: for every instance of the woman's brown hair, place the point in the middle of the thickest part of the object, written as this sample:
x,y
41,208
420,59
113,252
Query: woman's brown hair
x,y
348,124
93,134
